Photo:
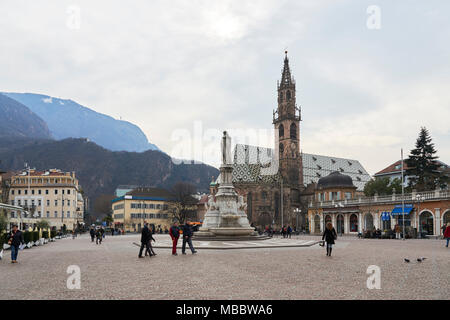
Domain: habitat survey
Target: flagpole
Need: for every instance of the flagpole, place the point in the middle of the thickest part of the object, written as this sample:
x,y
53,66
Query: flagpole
x,y
403,197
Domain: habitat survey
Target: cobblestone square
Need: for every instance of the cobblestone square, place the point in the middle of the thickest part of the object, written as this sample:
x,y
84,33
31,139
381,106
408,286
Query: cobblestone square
x,y
112,270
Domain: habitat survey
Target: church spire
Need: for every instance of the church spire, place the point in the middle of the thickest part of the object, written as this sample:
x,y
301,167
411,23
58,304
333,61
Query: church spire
x,y
286,79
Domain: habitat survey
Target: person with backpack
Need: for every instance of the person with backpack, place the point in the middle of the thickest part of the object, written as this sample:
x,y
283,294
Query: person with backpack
x,y
329,235
187,237
174,233
15,240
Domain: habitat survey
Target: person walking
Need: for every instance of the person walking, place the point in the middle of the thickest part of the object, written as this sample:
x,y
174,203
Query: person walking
x,y
289,232
99,236
15,240
329,235
187,237
150,243
397,231
92,233
447,233
174,233
146,235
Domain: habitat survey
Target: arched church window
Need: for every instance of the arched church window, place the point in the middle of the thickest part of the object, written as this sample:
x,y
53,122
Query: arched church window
x,y
293,131
288,95
281,148
281,131
281,96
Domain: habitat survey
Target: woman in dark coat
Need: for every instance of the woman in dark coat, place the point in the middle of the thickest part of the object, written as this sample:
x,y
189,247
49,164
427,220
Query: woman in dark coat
x,y
329,235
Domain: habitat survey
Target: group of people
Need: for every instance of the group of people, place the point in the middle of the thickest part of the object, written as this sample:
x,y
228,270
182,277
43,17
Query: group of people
x,y
97,234
175,231
286,232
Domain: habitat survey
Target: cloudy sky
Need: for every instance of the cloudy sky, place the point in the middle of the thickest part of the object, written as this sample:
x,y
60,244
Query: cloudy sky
x,y
166,65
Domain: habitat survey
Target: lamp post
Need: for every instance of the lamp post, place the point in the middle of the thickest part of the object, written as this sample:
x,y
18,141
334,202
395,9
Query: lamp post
x,y
419,198
297,212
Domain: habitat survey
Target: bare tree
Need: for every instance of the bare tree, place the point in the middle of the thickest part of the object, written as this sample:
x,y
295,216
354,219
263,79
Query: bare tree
x,y
184,205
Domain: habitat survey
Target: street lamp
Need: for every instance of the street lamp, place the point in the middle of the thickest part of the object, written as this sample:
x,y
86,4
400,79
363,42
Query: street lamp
x,y
297,212
419,198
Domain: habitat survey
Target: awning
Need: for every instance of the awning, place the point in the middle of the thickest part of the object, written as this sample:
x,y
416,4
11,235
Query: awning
x,y
397,211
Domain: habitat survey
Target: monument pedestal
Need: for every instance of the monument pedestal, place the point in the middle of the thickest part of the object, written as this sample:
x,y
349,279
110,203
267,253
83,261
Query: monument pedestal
x,y
225,217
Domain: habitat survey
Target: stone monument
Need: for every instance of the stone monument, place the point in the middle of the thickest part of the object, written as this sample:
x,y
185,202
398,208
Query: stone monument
x,y
225,216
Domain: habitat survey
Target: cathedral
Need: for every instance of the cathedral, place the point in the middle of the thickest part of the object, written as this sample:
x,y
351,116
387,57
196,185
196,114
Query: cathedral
x,y
279,183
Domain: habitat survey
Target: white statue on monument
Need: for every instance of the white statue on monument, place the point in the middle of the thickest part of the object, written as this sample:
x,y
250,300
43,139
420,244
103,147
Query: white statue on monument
x,y
226,210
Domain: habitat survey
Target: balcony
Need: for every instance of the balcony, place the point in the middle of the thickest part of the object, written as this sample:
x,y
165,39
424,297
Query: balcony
x,y
395,198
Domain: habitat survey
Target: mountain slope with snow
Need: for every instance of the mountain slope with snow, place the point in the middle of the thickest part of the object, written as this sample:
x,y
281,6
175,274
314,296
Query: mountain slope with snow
x,y
67,119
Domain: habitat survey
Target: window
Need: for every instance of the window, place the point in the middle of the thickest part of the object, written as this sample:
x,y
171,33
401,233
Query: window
x,y
26,191
263,195
56,214
12,191
62,191
56,203
68,191
293,131
68,214
281,130
152,206
348,195
165,207
288,95
39,191
48,214
19,191
39,202
281,148
46,191
56,191
158,206
32,191
48,203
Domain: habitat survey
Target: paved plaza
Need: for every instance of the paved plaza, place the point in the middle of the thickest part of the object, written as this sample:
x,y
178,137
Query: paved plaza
x,y
112,270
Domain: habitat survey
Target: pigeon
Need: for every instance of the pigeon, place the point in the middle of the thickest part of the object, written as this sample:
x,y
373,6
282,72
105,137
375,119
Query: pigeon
x,y
420,259
406,260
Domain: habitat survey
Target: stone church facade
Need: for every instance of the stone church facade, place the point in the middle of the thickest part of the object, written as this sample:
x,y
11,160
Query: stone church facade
x,y
278,183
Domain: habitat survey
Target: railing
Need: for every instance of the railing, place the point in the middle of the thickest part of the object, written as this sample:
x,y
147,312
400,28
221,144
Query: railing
x,y
408,197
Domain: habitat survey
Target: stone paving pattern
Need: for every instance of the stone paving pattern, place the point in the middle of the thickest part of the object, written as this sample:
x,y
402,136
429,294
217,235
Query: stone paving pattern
x,y
113,271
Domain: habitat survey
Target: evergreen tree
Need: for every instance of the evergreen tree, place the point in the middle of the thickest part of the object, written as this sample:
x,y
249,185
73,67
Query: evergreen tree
x,y
422,164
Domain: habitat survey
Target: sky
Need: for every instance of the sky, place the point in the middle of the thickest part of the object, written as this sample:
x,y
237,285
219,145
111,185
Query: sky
x,y
367,77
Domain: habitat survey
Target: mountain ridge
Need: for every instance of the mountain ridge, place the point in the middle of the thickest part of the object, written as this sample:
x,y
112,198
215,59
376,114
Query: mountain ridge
x,y
68,119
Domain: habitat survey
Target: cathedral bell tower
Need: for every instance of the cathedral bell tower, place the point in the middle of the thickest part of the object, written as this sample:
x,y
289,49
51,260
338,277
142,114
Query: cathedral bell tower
x,y
286,120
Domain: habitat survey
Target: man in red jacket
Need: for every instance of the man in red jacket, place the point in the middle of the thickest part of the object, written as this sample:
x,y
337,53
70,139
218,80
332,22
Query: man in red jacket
x,y
447,233
174,233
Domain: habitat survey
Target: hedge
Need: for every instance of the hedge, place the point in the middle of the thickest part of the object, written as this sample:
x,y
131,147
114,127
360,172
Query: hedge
x,y
27,236
3,239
